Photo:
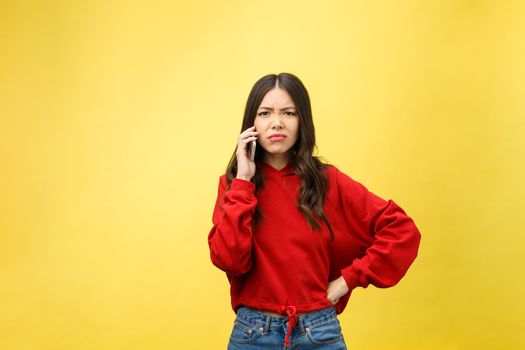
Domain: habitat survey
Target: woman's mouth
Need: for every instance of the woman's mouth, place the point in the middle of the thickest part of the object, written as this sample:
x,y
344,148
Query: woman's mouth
x,y
277,137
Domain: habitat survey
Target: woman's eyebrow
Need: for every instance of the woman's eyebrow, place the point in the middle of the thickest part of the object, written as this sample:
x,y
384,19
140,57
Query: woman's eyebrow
x,y
282,109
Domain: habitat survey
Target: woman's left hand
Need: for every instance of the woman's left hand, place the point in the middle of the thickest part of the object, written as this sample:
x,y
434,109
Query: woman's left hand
x,y
336,289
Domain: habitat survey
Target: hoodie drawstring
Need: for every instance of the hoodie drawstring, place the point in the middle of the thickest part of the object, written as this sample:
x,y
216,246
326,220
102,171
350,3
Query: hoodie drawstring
x,y
292,321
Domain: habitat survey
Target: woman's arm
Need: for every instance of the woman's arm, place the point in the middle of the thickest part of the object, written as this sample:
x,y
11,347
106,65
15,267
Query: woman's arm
x,y
393,235
230,239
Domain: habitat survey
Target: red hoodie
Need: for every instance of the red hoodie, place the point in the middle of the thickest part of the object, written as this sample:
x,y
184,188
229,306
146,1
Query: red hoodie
x,y
284,266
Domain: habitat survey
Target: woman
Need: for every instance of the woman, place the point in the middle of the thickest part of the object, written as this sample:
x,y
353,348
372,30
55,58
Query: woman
x,y
295,235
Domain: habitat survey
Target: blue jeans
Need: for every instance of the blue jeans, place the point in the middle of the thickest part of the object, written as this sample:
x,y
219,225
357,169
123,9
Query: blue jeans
x,y
318,330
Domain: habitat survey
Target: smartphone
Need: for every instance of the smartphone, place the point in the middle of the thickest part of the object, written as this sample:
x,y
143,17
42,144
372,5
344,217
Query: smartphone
x,y
252,150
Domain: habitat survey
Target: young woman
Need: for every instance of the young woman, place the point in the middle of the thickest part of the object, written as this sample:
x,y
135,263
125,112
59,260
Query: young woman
x,y
296,235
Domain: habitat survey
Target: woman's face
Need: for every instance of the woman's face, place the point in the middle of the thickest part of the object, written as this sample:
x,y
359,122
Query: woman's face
x,y
277,115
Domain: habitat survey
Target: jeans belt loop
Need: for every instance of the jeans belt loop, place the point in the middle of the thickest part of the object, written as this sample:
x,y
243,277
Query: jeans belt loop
x,y
267,324
300,324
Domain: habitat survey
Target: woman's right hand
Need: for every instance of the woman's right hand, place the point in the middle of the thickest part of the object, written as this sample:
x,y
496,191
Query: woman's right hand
x,y
245,166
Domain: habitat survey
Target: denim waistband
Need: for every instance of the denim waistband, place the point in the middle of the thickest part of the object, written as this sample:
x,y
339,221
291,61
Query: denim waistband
x,y
269,322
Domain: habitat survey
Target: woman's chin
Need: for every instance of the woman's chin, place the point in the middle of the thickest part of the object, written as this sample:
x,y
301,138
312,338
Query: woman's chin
x,y
276,149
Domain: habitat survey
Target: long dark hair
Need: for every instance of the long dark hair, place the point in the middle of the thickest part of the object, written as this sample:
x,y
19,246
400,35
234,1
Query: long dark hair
x,y
314,184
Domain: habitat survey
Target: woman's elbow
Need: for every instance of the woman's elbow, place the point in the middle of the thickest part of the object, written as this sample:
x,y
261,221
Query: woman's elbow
x,y
233,267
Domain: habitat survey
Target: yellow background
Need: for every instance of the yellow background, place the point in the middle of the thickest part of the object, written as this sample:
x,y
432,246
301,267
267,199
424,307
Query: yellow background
x,y
117,118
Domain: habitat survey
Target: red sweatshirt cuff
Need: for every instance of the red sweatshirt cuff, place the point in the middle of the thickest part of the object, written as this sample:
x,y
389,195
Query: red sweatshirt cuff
x,y
351,277
242,185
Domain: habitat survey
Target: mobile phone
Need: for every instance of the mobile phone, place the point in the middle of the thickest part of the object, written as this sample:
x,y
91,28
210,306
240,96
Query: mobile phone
x,y
252,150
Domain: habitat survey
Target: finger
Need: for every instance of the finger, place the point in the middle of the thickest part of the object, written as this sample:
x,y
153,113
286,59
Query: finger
x,y
243,144
246,134
248,139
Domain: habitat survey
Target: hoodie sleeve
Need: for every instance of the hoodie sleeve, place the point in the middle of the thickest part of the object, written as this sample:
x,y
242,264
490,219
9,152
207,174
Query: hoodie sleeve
x,y
392,236
230,239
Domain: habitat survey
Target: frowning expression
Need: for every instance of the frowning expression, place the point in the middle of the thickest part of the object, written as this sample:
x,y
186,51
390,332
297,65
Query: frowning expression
x,y
277,122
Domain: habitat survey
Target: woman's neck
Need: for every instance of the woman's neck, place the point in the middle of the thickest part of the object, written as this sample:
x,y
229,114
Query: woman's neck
x,y
278,161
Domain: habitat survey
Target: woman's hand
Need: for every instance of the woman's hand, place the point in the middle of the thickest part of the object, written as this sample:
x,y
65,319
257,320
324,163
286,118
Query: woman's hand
x,y
336,289
245,166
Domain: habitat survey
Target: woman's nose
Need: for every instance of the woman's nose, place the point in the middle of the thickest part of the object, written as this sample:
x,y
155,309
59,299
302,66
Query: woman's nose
x,y
276,121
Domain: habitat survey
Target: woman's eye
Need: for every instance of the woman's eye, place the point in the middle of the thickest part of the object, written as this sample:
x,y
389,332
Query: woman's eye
x,y
263,113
